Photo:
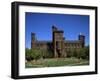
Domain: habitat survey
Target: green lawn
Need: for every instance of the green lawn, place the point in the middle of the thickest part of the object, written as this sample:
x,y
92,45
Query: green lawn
x,y
54,62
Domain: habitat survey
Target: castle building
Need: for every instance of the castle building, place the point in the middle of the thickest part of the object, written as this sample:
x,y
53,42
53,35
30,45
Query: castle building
x,y
58,44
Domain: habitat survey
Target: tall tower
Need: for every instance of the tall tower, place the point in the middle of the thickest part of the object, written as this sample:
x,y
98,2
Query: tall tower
x,y
58,40
33,40
82,39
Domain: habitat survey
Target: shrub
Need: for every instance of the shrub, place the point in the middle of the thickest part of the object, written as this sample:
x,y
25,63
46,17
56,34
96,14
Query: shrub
x,y
82,53
33,54
71,52
28,54
36,54
47,53
86,55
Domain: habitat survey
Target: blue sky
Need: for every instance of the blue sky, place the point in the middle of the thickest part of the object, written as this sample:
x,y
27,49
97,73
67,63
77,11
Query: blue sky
x,y
41,24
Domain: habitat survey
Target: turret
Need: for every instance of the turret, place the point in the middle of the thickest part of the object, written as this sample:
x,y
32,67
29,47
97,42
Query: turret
x,y
33,40
81,38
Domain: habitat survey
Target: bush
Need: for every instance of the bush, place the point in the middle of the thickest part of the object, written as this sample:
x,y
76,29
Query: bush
x,y
87,52
72,52
82,53
47,53
33,54
28,54
36,54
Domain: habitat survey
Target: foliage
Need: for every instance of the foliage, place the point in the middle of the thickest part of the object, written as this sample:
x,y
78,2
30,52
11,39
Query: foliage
x,y
72,52
33,54
47,53
87,52
82,53
28,54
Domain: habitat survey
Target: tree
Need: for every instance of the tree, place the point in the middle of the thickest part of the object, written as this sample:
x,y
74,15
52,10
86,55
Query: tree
x,y
47,53
36,54
28,54
72,52
83,53
86,52
33,54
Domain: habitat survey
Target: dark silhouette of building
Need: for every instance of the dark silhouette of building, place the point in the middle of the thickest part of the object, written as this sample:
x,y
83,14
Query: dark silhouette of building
x,y
58,44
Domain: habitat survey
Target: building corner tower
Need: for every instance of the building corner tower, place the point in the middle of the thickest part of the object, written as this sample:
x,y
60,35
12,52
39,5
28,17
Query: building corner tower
x,y
82,39
33,40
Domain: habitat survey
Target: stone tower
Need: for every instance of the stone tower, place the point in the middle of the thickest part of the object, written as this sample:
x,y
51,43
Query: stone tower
x,y
82,39
58,42
33,40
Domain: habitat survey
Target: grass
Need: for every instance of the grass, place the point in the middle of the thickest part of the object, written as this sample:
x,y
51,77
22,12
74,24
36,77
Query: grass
x,y
55,62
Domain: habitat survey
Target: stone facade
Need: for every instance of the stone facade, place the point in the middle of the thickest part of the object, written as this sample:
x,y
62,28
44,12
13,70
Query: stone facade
x,y
58,44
